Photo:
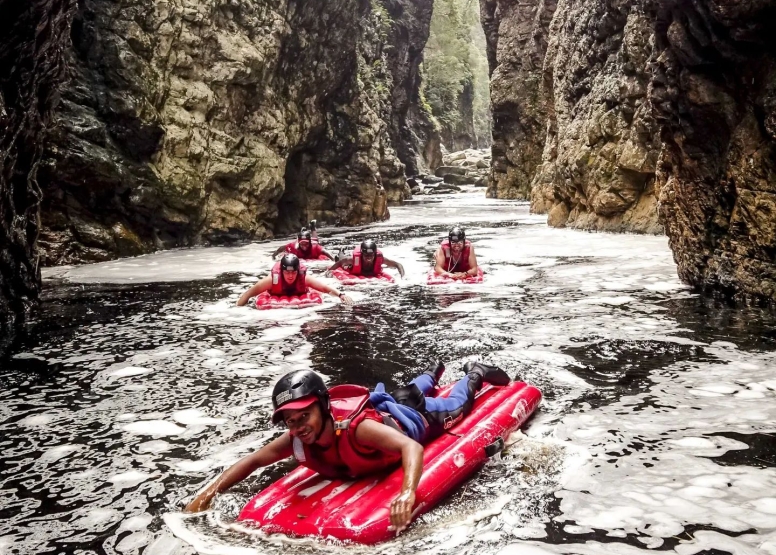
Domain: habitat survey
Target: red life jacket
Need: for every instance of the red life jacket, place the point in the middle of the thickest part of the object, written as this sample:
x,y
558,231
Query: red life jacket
x,y
279,287
357,269
314,252
349,407
463,263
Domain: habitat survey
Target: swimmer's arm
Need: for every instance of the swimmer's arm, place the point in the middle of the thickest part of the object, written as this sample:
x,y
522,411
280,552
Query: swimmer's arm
x,y
259,287
280,249
320,286
392,264
473,268
339,263
324,252
384,438
439,267
276,450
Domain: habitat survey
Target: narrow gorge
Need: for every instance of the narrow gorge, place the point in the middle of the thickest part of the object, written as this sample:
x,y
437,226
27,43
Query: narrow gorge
x,y
133,126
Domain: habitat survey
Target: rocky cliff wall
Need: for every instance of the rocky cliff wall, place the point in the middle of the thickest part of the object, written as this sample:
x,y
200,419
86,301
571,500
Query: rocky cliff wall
x,y
714,93
517,34
573,130
638,115
190,121
33,36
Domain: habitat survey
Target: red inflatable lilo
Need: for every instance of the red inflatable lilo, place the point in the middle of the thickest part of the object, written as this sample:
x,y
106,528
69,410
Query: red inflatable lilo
x,y
265,301
351,279
303,503
435,279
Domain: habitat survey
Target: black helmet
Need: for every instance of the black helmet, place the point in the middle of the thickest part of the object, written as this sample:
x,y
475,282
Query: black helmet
x,y
289,261
305,234
456,234
293,387
369,247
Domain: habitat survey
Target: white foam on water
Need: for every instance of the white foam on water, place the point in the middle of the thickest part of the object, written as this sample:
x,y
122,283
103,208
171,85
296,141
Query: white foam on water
x,y
613,301
153,428
657,492
129,479
523,549
707,540
195,417
202,544
154,446
278,333
164,544
131,543
129,371
214,362
173,265
135,523
242,366
38,420
98,518
195,466
55,453
6,542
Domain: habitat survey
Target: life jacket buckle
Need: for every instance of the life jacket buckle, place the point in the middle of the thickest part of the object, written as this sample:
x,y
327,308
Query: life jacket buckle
x,y
340,425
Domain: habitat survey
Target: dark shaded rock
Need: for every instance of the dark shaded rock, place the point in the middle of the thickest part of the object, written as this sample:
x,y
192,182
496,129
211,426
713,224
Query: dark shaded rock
x,y
443,171
453,179
33,35
432,179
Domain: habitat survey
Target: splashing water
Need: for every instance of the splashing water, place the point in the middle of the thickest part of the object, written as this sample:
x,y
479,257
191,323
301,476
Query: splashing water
x,y
139,381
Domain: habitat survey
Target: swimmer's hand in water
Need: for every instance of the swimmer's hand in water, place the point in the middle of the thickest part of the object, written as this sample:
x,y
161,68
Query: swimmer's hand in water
x,y
401,511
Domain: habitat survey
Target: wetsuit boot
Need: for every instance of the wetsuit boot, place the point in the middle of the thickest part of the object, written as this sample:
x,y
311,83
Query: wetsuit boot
x,y
435,369
479,373
313,225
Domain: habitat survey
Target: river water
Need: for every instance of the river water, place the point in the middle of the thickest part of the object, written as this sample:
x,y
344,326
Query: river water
x,y
139,381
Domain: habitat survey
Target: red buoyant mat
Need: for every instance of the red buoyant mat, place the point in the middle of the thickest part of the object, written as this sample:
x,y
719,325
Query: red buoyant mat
x,y
351,279
436,279
303,503
265,301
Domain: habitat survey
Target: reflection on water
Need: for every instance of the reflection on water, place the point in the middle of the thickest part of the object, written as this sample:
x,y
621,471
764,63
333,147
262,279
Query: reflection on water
x,y
138,381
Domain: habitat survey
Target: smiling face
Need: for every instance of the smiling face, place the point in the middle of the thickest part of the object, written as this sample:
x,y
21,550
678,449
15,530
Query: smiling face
x,y
368,258
289,275
456,246
304,244
306,423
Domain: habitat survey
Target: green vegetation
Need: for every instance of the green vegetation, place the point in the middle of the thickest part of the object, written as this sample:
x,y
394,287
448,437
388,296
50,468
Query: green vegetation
x,y
455,73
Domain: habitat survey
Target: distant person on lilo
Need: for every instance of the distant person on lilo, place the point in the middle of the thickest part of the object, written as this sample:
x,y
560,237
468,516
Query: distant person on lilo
x,y
455,257
306,245
289,278
361,433
366,260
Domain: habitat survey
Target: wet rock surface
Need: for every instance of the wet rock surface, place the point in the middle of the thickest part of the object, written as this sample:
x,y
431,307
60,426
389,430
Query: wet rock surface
x,y
646,117
209,122
714,92
33,35
464,168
